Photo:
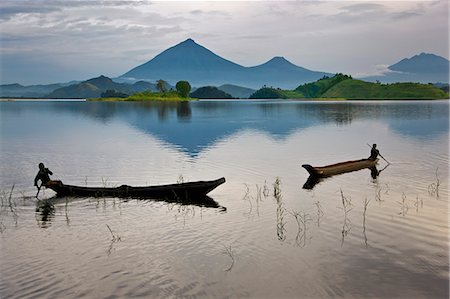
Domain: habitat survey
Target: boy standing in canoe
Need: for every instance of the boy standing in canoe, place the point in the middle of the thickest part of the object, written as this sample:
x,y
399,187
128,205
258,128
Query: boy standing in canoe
x,y
374,152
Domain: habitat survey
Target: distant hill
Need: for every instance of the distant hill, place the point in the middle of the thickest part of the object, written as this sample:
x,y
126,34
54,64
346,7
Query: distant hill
x,y
209,92
201,67
237,92
32,91
81,90
318,88
357,89
93,88
424,68
344,87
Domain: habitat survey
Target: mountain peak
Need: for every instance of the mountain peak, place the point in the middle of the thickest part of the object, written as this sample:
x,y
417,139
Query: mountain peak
x,y
422,63
279,59
188,42
280,62
101,78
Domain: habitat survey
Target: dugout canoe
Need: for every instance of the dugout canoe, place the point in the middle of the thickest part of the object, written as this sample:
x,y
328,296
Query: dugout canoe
x,y
338,168
183,191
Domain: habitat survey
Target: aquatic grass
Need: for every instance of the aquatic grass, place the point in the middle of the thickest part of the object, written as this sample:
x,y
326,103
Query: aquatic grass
x,y
185,211
302,219
403,205
257,198
248,198
8,204
366,204
387,189
114,238
104,182
433,188
378,194
418,203
258,193
6,207
277,189
66,208
265,190
320,212
281,210
228,251
347,207
180,179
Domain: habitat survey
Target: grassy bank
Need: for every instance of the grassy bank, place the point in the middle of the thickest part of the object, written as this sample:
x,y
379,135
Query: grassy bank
x,y
146,96
344,87
357,89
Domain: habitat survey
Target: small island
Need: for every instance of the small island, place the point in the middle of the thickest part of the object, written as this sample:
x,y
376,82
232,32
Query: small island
x,y
163,94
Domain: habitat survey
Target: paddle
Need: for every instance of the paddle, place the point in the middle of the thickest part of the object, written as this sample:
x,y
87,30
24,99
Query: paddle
x,y
380,155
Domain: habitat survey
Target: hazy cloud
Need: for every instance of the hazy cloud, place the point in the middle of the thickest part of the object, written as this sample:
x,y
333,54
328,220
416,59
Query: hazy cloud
x,y
84,38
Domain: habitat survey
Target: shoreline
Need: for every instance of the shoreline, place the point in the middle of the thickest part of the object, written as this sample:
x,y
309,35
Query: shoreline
x,y
195,99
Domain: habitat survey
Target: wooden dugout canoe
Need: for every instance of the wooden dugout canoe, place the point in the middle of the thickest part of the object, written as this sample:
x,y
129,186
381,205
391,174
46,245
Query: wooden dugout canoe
x,y
338,168
191,191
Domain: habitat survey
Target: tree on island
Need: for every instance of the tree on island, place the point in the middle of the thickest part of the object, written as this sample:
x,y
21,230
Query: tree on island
x,y
161,85
183,88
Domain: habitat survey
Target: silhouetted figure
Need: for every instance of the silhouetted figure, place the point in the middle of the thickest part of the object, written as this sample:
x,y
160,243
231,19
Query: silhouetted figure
x,y
43,175
374,152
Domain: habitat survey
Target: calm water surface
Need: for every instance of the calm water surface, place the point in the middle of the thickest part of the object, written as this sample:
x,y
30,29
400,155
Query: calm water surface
x,y
350,236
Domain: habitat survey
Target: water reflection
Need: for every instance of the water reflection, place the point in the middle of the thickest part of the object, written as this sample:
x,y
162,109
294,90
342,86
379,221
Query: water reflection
x,y
45,212
425,119
313,180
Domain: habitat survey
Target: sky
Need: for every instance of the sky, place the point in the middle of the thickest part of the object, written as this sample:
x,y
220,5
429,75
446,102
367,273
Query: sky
x,y
49,41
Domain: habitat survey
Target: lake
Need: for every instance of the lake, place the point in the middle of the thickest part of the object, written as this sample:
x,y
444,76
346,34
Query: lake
x,y
349,236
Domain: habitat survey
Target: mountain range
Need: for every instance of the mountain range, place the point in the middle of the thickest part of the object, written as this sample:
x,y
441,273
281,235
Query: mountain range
x,y
201,67
198,65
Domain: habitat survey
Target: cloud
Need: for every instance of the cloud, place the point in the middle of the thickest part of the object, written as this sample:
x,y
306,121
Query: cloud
x,y
376,70
198,12
110,37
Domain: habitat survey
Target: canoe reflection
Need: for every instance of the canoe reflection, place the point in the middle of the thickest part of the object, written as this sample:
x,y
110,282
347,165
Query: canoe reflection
x,y
45,209
313,180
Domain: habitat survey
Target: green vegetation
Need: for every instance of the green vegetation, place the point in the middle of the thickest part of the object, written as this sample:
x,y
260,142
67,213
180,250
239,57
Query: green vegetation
x,y
182,94
210,92
268,93
341,87
111,93
318,88
183,88
357,89
147,96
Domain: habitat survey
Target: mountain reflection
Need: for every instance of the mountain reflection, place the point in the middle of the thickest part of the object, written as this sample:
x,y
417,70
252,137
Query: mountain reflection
x,y
196,125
